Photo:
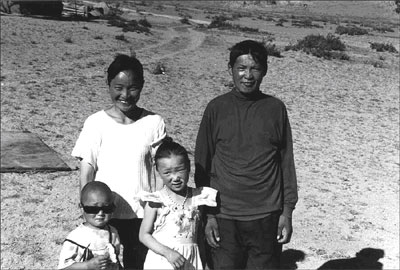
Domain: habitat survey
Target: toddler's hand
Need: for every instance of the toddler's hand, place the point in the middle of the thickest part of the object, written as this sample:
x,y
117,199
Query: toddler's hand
x,y
100,262
175,259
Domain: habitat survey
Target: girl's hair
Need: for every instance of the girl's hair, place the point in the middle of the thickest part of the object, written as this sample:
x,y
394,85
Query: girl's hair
x,y
168,147
124,62
256,49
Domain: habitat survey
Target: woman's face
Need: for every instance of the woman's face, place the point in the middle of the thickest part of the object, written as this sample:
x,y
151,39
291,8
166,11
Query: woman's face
x,y
125,90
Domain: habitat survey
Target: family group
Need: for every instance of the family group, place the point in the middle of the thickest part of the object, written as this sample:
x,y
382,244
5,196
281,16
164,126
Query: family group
x,y
239,213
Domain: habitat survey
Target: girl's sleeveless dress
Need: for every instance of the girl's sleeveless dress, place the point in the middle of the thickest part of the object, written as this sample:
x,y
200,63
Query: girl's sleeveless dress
x,y
177,228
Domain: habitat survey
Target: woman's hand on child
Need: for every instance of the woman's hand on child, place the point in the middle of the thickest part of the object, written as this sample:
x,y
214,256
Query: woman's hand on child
x,y
175,259
100,262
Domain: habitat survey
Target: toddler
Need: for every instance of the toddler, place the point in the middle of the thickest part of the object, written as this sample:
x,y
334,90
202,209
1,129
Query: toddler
x,y
172,215
93,244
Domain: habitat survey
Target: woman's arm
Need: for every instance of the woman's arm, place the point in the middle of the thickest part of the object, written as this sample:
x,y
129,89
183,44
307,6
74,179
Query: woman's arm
x,y
145,236
87,174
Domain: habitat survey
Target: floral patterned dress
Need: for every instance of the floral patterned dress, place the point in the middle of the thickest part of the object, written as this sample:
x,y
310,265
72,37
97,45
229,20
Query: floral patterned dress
x,y
177,228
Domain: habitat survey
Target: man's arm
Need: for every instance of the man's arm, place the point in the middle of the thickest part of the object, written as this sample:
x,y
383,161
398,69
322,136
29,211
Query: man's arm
x,y
204,151
290,195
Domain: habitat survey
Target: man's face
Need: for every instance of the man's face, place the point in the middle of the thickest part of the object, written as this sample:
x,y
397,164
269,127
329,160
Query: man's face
x,y
247,74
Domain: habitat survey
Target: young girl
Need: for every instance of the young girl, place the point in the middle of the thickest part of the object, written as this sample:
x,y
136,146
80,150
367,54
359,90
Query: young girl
x,y
94,244
171,219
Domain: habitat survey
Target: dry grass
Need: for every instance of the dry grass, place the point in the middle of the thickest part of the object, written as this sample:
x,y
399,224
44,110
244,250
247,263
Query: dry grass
x,y
344,116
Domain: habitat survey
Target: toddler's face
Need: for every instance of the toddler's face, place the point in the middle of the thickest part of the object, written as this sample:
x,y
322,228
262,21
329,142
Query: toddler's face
x,y
97,209
174,172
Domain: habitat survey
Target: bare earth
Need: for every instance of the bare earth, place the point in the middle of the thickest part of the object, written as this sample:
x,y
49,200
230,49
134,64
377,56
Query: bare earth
x,y
344,116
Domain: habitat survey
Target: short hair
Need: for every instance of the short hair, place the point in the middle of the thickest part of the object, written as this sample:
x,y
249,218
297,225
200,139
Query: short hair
x,y
168,147
124,62
256,49
95,186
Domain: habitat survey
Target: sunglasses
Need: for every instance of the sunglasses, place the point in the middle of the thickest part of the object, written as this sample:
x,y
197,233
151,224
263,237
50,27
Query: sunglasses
x,y
107,209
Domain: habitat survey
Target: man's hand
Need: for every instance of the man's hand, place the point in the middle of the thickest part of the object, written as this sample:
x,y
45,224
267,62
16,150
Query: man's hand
x,y
212,232
285,229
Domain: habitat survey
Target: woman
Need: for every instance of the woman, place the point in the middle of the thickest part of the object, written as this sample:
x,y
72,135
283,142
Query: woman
x,y
116,146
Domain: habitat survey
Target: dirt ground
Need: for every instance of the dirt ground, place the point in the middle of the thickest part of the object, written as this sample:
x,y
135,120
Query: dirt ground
x,y
344,116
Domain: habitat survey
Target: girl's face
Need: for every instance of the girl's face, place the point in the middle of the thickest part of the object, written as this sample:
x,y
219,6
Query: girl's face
x,y
174,172
97,209
125,90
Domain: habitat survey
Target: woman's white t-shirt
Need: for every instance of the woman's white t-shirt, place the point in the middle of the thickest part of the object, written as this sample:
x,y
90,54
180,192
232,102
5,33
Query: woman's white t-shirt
x,y
122,156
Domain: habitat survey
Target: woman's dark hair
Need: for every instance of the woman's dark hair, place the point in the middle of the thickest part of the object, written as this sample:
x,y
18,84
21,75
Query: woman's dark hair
x,y
256,49
124,62
168,147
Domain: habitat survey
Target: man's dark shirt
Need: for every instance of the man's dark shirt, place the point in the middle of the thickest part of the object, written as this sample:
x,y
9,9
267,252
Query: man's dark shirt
x,y
244,150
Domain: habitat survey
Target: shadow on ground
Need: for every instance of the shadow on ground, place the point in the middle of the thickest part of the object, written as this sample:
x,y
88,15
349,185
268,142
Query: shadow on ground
x,y
290,257
367,258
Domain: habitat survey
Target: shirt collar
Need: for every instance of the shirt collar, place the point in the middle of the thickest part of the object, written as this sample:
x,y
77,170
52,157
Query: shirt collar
x,y
253,96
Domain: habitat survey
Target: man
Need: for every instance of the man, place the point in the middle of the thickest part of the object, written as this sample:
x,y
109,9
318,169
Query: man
x,y
244,150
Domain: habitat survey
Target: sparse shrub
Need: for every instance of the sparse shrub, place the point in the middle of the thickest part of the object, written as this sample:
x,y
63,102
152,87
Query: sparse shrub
x,y
183,15
351,30
382,29
245,28
129,26
272,50
144,22
159,7
98,37
121,37
383,47
158,69
329,47
237,15
118,22
377,64
68,40
185,20
220,23
85,27
281,21
307,23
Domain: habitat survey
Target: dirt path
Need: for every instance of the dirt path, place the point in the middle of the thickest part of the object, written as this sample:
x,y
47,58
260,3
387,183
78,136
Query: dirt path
x,y
181,39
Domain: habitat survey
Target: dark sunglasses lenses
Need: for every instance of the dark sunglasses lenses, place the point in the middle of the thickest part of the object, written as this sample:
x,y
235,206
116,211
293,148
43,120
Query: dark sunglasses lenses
x,y
108,209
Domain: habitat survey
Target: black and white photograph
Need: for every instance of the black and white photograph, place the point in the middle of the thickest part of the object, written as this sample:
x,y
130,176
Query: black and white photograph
x,y
181,134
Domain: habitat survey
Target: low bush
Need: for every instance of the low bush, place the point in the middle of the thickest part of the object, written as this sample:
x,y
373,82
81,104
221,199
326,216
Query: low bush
x,y
382,29
329,47
129,26
185,20
144,22
220,22
121,37
351,30
307,23
383,47
272,50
